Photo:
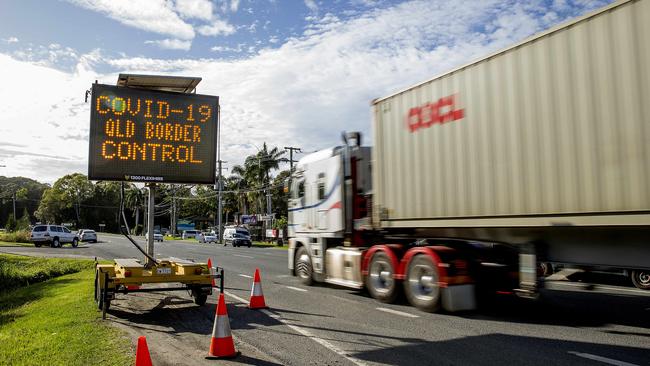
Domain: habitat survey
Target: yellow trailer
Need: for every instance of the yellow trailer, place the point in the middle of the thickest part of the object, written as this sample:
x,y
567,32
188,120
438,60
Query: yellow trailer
x,y
127,275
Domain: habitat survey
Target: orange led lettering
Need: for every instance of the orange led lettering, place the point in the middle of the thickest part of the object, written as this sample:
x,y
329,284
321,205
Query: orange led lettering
x,y
147,114
206,112
178,154
178,132
190,115
163,110
142,150
192,156
104,154
149,130
196,135
160,131
122,106
128,150
99,104
137,108
153,150
168,131
167,152
186,133
109,128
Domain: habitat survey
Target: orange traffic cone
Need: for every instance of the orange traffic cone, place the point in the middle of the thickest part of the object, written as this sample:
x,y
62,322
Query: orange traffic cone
x,y
221,345
142,357
211,271
257,297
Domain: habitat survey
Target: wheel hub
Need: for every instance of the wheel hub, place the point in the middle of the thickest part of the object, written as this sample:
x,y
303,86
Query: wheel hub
x,y
422,282
381,276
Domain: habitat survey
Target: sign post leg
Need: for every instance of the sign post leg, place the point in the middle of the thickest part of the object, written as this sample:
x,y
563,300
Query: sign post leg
x,y
150,215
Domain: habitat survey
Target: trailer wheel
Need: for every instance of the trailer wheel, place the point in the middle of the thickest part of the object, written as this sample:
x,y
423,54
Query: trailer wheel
x,y
421,285
199,297
641,279
381,278
304,269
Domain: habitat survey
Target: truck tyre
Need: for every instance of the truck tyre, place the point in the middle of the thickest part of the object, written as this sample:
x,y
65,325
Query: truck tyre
x,y
380,281
37,245
641,279
56,243
75,242
421,284
304,269
199,297
545,269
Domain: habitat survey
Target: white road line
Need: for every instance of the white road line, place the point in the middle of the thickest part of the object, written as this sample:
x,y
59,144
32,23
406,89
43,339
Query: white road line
x,y
296,288
307,334
243,256
610,361
396,312
600,287
283,276
246,276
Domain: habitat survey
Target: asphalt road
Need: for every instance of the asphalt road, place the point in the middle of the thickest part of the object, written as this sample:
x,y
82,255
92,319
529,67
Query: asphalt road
x,y
323,325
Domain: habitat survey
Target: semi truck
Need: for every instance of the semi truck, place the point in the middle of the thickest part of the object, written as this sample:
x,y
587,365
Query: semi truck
x,y
477,178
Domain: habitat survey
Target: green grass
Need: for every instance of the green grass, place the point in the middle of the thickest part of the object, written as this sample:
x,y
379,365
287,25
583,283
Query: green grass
x,y
18,271
263,244
10,244
57,323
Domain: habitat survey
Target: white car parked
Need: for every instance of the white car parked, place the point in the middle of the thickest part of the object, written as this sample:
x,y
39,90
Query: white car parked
x,y
53,235
206,237
88,235
187,234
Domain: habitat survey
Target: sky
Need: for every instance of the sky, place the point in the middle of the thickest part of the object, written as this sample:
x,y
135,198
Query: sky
x,y
288,72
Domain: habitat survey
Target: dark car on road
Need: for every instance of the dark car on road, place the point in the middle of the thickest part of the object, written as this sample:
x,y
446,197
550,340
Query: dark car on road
x,y
237,237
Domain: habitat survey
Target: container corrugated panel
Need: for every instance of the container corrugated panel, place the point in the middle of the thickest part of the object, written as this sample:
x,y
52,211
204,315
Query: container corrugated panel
x,y
557,125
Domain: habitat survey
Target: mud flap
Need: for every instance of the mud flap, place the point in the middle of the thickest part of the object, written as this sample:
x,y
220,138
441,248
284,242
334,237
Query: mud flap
x,y
459,298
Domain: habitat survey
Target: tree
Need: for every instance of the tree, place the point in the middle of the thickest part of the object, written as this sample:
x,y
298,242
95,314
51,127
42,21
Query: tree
x,y
75,188
134,200
11,224
25,221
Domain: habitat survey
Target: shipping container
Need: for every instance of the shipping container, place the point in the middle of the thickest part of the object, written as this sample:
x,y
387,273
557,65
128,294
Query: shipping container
x,y
554,131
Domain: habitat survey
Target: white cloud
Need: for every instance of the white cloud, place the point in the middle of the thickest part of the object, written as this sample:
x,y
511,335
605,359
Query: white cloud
x,y
218,27
156,16
311,4
172,44
199,9
234,5
302,93
11,40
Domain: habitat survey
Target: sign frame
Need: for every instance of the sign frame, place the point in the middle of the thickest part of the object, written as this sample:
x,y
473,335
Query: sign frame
x,y
153,172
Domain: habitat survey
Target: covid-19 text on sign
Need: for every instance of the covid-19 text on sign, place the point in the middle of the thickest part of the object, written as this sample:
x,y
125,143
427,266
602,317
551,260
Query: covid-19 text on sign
x,y
151,136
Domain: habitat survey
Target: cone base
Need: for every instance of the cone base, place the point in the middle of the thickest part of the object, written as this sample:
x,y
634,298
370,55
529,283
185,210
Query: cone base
x,y
257,302
223,357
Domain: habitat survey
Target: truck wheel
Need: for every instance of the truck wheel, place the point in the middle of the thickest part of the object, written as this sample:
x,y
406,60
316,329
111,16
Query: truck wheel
x,y
304,269
56,243
75,242
641,279
381,278
37,245
421,285
199,297
545,269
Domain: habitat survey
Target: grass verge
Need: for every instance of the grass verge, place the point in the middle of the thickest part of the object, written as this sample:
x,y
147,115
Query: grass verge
x,y
263,244
57,323
9,244
18,271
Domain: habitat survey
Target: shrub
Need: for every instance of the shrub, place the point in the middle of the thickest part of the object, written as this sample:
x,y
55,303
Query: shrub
x,y
16,237
17,271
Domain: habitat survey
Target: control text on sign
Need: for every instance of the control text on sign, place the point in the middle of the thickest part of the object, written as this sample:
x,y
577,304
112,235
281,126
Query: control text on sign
x,y
145,135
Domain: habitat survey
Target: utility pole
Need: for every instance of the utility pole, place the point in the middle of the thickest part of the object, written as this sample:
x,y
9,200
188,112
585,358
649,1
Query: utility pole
x,y
291,161
220,203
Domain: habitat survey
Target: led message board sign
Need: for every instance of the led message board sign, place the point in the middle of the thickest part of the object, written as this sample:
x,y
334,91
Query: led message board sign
x,y
152,136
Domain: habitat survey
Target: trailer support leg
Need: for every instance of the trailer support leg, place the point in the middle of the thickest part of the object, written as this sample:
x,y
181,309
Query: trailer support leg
x,y
528,281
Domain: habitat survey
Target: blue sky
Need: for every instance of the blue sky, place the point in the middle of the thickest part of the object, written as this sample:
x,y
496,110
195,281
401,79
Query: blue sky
x,y
289,72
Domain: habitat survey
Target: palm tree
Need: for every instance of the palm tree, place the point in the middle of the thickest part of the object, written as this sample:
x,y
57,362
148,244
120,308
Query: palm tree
x,y
134,199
